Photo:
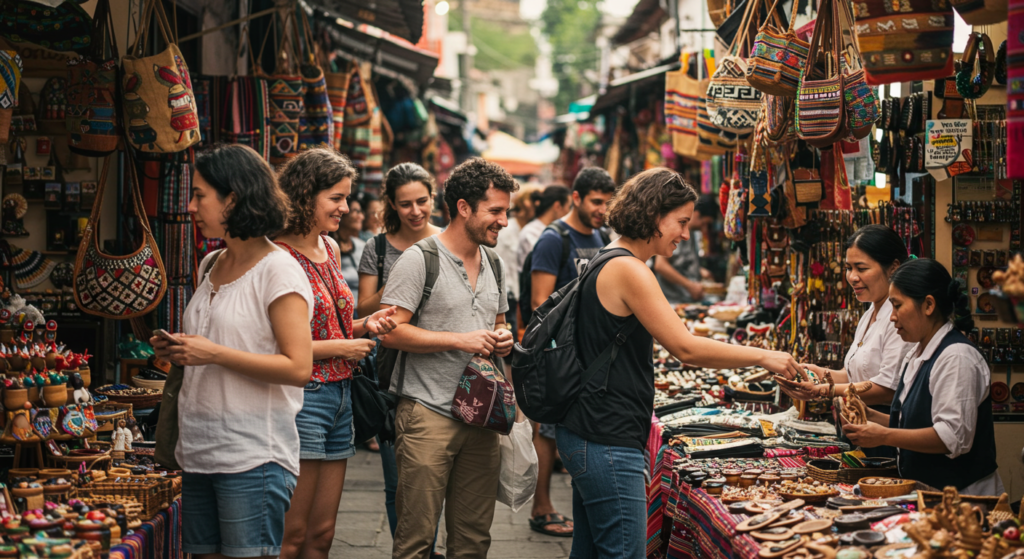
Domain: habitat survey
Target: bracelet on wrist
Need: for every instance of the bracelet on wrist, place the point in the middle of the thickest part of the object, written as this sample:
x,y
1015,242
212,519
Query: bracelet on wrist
x,y
365,320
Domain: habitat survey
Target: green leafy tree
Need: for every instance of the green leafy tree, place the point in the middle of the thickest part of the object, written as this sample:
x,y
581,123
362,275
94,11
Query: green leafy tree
x,y
496,48
571,28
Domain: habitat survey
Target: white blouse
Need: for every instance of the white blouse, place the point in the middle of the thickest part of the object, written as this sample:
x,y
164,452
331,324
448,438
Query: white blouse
x,y
230,423
959,383
877,351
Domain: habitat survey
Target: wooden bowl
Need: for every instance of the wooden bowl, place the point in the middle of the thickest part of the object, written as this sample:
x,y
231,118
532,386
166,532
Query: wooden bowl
x,y
810,499
15,473
57,489
873,491
55,396
15,398
26,491
50,473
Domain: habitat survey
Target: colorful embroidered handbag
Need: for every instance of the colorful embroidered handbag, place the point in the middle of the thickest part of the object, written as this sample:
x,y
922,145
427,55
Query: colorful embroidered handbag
x,y
118,287
484,397
286,96
316,122
820,110
682,92
735,213
732,103
778,57
157,92
859,98
905,40
92,126
780,126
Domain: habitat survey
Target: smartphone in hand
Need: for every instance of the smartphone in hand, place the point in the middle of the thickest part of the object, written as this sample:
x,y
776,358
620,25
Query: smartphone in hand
x,y
167,336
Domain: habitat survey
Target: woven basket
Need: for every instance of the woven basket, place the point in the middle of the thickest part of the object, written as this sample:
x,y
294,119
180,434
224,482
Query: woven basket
x,y
821,474
884,491
154,495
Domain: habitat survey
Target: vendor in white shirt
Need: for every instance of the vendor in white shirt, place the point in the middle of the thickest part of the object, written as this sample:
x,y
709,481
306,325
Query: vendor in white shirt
x,y
873,253
941,419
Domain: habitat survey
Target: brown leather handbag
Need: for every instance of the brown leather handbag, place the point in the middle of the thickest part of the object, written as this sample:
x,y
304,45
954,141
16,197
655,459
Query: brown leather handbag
x,y
118,287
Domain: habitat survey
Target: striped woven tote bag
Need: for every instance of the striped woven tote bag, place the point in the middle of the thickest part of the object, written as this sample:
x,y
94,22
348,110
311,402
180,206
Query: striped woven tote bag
x,y
820,108
778,57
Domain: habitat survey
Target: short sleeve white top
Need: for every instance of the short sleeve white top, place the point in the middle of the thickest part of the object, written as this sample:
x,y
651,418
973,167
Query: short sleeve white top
x,y
230,423
877,351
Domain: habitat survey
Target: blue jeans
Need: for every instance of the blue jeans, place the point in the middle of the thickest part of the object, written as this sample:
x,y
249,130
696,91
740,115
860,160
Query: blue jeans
x,y
609,498
325,421
238,515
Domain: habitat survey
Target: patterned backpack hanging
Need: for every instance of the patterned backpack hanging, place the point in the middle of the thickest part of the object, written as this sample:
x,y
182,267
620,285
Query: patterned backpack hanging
x,y
778,57
820,109
92,125
10,83
118,287
905,40
286,92
733,104
682,92
316,122
159,105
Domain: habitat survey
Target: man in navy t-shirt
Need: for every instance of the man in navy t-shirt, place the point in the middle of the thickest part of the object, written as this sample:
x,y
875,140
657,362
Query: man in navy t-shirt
x,y
592,190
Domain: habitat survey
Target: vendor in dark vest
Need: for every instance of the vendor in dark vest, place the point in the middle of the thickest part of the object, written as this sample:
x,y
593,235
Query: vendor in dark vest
x,y
941,417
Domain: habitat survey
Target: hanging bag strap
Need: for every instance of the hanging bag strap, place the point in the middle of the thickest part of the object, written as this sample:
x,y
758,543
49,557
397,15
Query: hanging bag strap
x,y
103,40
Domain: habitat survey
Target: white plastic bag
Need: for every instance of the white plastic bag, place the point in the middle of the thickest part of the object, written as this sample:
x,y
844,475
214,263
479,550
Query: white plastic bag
x,y
518,478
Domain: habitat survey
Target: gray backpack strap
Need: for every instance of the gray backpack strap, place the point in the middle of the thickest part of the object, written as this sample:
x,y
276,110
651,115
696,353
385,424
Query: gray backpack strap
x,y
497,268
213,260
432,265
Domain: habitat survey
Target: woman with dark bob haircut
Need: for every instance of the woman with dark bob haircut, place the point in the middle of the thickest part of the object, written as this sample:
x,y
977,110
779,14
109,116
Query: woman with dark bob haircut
x,y
247,353
318,183
941,416
602,439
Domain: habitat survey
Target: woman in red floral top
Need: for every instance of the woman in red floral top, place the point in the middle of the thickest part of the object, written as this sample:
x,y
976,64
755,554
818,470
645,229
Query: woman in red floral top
x,y
318,182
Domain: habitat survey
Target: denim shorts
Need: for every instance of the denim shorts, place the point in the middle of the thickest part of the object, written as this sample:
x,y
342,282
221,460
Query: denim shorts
x,y
238,515
325,421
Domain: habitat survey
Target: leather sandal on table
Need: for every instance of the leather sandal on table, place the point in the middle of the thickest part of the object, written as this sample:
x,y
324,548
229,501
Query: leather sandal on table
x,y
541,522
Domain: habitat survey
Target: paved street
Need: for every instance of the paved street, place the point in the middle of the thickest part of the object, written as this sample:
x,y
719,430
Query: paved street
x,y
362,530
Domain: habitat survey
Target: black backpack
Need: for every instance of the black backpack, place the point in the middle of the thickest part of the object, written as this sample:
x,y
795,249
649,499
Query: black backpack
x,y
526,275
387,358
547,373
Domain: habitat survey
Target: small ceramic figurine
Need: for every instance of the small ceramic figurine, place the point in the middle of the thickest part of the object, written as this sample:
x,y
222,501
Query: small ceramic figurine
x,y
122,438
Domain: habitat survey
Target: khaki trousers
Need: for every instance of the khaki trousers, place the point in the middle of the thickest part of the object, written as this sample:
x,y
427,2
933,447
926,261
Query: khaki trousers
x,y
442,462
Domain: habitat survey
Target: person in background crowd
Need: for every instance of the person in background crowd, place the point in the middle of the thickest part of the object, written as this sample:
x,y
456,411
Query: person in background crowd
x,y
508,246
680,274
409,192
552,267
873,253
349,243
247,353
442,460
548,205
372,209
601,440
941,417
317,183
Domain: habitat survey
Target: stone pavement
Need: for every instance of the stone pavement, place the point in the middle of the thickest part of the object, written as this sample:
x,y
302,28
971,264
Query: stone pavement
x,y
362,529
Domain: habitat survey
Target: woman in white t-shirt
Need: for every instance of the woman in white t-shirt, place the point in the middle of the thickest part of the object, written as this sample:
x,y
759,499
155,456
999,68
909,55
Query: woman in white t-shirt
x,y
873,253
247,353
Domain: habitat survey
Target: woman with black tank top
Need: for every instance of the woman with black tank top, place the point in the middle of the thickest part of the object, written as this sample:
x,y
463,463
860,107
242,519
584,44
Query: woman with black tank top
x,y
602,438
941,416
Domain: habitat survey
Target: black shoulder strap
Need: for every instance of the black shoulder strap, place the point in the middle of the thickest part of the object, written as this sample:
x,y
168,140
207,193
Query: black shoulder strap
x,y
497,269
381,246
563,230
432,266
607,357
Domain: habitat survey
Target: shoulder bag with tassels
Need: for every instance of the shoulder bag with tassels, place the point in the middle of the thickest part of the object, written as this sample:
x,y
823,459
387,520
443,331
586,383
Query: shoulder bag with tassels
x,y
820,110
159,106
778,57
732,103
118,287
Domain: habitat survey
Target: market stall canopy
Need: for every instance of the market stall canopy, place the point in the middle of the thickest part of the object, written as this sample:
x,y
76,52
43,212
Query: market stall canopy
x,y
647,16
403,18
619,90
516,156
391,57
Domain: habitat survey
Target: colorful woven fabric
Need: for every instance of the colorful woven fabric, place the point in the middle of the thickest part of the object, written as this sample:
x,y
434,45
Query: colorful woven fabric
x,y
157,538
1015,89
316,123
286,98
905,40
733,104
819,108
244,114
337,94
681,118
861,101
202,88
362,139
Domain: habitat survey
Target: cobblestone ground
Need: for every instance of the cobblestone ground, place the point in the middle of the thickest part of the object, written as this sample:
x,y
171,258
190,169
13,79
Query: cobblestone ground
x,y
362,530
